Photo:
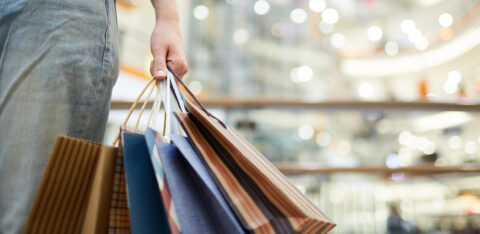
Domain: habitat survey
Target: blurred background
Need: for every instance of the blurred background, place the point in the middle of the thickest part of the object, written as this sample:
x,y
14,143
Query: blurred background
x,y
371,107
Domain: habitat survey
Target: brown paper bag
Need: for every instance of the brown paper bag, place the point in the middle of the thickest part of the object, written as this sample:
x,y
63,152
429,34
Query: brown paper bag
x,y
76,189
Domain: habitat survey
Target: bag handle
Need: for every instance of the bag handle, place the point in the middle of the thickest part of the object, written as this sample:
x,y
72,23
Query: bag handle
x,y
174,86
134,105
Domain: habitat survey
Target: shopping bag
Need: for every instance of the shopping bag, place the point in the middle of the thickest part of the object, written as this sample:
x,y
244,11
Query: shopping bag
x,y
263,199
75,191
82,189
119,221
147,213
225,217
189,199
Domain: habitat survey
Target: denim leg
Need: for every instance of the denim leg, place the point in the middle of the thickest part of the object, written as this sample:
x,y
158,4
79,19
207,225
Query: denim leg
x,y
58,64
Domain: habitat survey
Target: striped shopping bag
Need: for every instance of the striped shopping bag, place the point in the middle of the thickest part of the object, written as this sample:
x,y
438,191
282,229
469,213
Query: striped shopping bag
x,y
77,193
263,199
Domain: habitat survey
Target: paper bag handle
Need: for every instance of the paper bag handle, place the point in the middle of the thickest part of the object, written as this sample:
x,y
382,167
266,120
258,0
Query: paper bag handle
x,y
177,78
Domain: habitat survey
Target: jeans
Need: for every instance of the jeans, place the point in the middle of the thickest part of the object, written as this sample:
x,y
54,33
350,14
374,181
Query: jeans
x,y
58,64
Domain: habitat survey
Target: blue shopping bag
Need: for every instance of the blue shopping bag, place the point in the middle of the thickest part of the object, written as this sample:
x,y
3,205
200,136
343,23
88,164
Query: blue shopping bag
x,y
210,192
147,213
198,204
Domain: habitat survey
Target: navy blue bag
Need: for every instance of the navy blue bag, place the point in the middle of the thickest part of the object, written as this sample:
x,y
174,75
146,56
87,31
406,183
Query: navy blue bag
x,y
147,213
209,190
199,205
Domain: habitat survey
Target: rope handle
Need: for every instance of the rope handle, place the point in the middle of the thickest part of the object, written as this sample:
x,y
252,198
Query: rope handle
x,y
132,108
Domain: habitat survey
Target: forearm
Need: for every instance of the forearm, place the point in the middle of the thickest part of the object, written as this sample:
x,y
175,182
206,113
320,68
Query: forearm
x,y
165,10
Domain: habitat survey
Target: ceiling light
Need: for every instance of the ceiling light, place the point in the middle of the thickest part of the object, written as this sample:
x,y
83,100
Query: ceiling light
x,y
430,148
392,161
455,142
305,132
470,147
375,33
317,5
404,156
445,20
261,7
338,40
408,26
454,76
403,137
365,90
305,73
421,43
450,87
421,143
298,15
414,63
412,142
330,16
391,48
200,12
415,35
301,74
441,120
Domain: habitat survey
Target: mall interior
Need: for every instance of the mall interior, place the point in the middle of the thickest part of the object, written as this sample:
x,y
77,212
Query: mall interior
x,y
370,107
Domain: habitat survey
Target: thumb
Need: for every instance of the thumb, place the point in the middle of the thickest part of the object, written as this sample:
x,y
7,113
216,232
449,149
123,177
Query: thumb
x,y
158,67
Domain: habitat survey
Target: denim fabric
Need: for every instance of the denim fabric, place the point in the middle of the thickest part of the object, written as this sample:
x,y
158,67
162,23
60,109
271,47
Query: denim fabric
x,y
58,64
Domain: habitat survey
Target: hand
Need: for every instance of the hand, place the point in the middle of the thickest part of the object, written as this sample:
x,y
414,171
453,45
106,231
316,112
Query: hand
x,y
167,49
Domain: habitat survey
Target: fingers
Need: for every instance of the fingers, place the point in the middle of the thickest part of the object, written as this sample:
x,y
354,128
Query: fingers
x,y
177,62
158,67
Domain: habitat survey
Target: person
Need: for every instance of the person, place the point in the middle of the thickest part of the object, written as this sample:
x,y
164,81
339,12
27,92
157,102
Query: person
x,y
58,64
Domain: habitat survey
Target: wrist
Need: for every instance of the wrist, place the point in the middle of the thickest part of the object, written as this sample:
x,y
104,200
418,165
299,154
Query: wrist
x,y
161,17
